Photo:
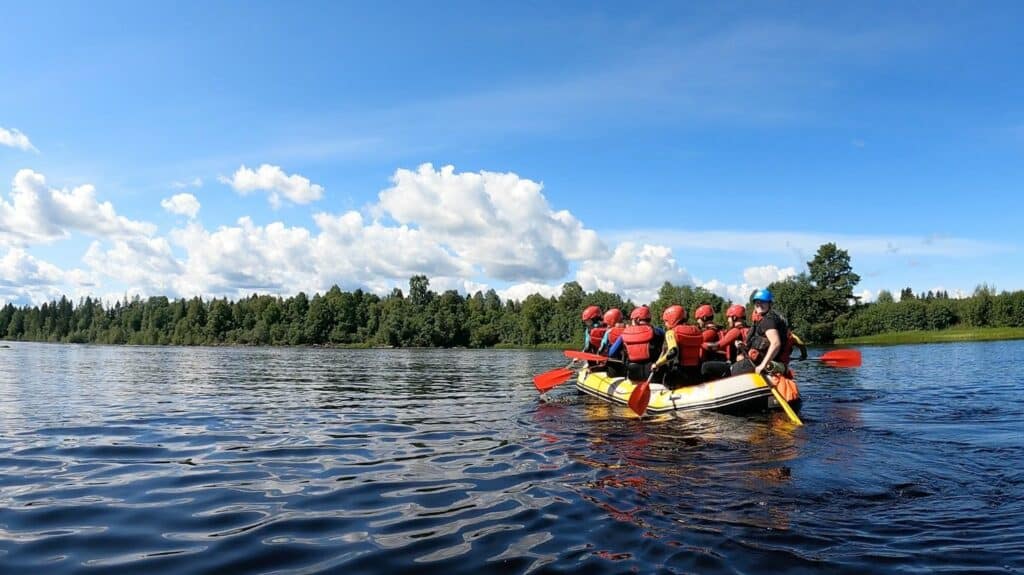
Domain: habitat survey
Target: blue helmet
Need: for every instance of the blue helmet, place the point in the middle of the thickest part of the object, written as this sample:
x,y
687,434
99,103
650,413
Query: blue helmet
x,y
763,295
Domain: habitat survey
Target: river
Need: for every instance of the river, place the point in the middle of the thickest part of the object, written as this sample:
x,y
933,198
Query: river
x,y
264,460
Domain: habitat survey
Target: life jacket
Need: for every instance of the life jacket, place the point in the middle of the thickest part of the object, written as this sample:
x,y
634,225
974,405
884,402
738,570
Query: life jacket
x,y
638,340
614,333
711,334
784,333
596,333
786,386
689,340
730,338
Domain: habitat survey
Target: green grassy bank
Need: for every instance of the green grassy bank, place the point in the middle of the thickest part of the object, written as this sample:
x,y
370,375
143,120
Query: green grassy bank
x,y
952,334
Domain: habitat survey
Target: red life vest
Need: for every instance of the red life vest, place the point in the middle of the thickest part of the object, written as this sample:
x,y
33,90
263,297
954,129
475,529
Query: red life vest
x,y
614,333
638,340
689,340
596,333
729,341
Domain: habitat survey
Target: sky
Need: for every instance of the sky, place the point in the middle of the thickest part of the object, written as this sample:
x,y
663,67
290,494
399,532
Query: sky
x,y
230,148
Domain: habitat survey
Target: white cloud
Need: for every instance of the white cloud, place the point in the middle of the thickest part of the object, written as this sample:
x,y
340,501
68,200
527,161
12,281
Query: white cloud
x,y
146,263
245,258
348,250
40,214
807,244
272,179
753,278
194,183
20,268
497,221
15,139
866,295
181,204
521,291
25,279
634,270
761,276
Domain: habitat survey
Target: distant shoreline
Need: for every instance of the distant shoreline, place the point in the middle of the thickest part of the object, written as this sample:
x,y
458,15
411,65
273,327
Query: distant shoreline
x,y
938,336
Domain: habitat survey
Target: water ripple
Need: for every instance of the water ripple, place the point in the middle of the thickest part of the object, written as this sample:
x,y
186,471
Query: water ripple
x,y
215,460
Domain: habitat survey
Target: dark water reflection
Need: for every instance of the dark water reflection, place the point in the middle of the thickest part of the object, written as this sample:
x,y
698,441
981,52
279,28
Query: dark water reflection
x,y
149,460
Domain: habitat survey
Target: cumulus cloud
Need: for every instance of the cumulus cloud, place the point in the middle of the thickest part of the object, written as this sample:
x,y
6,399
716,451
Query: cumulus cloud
x,y
521,291
753,278
761,276
20,268
245,257
634,270
25,279
460,229
37,213
497,221
274,181
350,249
182,205
145,263
14,139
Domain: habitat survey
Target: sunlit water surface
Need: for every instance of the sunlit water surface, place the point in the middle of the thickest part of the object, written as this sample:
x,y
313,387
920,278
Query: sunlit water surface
x,y
230,460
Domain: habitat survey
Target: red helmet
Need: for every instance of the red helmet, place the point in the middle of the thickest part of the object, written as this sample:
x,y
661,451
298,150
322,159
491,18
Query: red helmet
x,y
592,312
704,312
612,316
642,312
674,314
736,311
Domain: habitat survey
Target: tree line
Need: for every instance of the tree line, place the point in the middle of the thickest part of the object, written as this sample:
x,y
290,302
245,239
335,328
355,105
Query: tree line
x,y
819,304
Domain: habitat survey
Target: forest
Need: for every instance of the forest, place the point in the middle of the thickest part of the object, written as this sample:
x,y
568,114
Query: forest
x,y
820,305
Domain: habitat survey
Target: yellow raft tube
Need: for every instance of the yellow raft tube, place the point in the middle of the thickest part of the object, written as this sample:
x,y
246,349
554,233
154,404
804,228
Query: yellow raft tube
x,y
738,394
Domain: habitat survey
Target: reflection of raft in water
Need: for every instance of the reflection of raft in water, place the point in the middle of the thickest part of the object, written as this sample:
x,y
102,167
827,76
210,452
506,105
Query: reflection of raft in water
x,y
748,393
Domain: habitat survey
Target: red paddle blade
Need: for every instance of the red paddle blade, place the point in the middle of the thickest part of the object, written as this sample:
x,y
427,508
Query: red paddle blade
x,y
571,354
842,358
549,379
640,397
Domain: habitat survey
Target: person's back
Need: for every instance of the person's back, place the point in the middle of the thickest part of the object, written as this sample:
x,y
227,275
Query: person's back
x,y
594,329
728,344
681,355
710,333
640,344
613,319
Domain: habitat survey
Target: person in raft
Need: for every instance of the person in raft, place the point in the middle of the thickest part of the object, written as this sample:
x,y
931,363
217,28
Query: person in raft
x,y
794,340
729,344
594,329
613,320
639,344
680,359
768,341
705,315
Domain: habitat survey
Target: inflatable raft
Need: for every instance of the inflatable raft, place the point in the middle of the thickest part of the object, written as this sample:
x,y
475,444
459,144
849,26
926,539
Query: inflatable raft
x,y
738,394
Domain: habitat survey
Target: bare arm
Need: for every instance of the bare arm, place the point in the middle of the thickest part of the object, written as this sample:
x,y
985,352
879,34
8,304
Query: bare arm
x,y
773,349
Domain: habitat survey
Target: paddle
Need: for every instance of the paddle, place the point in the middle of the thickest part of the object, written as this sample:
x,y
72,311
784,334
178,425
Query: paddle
x,y
549,379
573,354
785,404
555,377
840,358
641,396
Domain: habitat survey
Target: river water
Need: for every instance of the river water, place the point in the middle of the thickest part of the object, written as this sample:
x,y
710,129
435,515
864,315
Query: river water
x,y
233,460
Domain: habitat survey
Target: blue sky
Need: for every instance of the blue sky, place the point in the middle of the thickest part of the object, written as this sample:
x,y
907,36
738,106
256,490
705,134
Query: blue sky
x,y
716,144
